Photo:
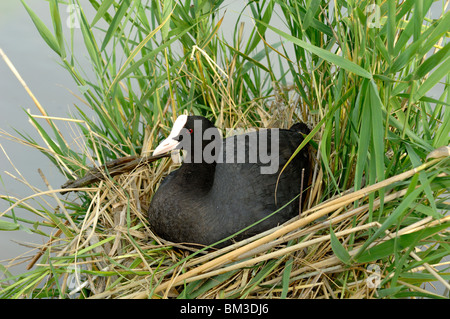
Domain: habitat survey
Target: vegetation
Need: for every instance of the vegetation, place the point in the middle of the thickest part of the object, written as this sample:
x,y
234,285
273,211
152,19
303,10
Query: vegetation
x,y
370,79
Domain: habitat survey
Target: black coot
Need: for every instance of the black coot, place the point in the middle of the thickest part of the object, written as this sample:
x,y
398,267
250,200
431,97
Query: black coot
x,y
208,199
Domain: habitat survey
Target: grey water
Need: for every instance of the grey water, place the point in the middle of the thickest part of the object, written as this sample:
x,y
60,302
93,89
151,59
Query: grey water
x,y
38,65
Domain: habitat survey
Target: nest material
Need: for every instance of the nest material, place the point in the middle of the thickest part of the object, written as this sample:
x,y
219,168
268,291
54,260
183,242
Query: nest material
x,y
294,260
111,252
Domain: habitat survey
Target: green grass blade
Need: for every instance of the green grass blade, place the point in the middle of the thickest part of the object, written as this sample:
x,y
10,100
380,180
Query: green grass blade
x,y
443,132
105,5
322,53
432,62
363,147
338,249
311,10
43,30
8,226
263,273
56,18
399,243
192,291
377,132
90,42
433,79
122,72
392,218
286,278
167,11
117,19
391,24
415,160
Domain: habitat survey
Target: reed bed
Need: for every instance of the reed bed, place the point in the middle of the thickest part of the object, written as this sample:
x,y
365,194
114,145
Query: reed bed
x,y
375,223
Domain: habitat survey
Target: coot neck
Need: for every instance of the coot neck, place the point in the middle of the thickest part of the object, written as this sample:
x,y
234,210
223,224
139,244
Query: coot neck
x,y
199,165
197,176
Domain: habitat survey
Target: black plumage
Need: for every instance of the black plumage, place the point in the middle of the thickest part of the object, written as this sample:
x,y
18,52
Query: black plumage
x,y
205,202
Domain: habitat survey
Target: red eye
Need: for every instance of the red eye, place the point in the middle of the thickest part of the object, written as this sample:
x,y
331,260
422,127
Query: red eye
x,y
190,131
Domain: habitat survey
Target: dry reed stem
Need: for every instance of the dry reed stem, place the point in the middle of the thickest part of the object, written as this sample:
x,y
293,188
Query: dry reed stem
x,y
331,221
45,247
25,86
60,204
278,253
42,193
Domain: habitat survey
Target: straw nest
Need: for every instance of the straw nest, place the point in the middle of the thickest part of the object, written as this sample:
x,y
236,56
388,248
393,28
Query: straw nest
x,y
115,255
294,260
105,249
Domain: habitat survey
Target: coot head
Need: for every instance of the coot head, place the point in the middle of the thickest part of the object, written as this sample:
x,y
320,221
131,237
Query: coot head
x,y
193,134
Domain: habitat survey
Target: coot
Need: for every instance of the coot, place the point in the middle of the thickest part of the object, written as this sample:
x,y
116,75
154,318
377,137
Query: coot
x,y
225,185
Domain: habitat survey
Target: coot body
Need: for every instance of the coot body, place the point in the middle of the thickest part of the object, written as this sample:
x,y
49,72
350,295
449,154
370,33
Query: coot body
x,y
206,201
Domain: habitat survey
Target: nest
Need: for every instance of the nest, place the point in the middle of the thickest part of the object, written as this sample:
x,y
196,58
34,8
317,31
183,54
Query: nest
x,y
104,248
115,255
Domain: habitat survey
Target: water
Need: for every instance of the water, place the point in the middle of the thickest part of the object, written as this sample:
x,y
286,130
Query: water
x,y
38,66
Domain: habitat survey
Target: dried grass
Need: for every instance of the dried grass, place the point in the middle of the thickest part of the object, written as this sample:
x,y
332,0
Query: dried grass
x,y
112,253
295,260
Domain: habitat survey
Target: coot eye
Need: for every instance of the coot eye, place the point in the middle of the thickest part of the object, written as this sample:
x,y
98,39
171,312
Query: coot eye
x,y
190,131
